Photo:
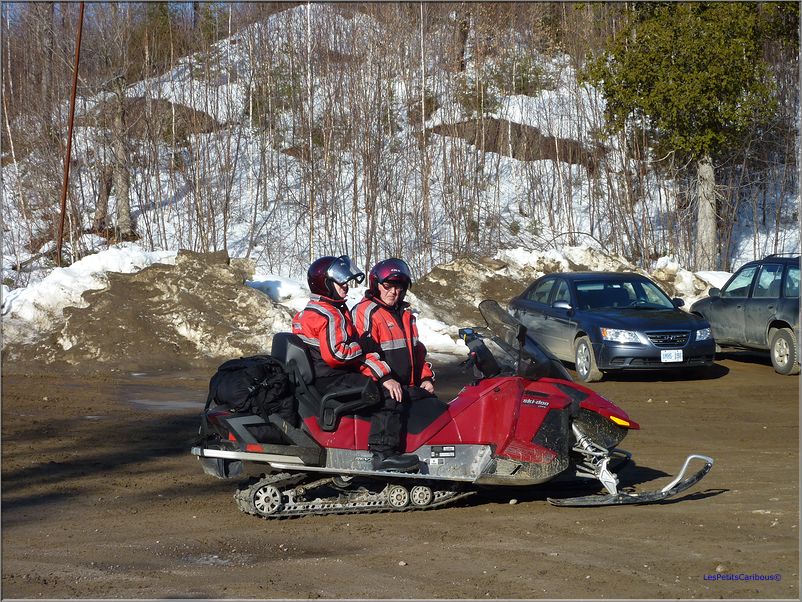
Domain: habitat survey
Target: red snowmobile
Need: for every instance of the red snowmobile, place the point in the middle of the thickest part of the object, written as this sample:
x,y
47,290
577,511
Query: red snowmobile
x,y
523,422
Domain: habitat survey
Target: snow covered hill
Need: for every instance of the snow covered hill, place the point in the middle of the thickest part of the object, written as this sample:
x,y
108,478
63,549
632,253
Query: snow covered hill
x,y
250,185
498,214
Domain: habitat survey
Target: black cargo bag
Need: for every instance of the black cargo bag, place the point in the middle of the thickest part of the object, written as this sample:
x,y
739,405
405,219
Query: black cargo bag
x,y
256,384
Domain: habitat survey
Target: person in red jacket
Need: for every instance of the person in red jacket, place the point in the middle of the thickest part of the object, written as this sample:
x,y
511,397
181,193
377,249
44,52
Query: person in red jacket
x,y
339,361
385,316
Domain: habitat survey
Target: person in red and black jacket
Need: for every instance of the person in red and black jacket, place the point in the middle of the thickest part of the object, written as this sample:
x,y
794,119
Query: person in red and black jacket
x,y
340,362
385,316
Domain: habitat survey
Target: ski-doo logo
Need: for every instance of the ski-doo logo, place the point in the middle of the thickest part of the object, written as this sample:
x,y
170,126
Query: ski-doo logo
x,y
529,401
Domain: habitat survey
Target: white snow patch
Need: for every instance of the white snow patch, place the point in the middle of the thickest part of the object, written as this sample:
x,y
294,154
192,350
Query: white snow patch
x,y
439,337
716,279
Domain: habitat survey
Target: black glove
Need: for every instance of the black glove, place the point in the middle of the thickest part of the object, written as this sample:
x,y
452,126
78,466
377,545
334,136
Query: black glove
x,y
368,344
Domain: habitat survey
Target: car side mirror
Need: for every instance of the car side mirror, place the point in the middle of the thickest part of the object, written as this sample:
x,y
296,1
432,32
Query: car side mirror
x,y
678,302
714,292
561,305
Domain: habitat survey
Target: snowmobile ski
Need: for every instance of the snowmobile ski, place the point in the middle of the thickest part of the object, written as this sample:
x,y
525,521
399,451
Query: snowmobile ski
x,y
619,498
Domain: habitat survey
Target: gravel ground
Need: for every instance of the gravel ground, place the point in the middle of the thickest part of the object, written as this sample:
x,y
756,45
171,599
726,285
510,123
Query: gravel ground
x,y
101,499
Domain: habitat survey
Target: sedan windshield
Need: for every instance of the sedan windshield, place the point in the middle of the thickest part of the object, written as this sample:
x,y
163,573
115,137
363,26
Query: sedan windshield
x,y
635,293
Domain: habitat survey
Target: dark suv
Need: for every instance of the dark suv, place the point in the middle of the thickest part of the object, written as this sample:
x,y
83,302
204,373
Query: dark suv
x,y
758,308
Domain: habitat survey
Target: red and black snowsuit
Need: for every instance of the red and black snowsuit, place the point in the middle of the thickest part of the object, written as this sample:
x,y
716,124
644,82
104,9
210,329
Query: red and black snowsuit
x,y
339,362
326,326
396,333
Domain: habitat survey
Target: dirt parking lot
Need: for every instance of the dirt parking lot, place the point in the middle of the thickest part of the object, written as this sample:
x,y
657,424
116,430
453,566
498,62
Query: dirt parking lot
x,y
101,499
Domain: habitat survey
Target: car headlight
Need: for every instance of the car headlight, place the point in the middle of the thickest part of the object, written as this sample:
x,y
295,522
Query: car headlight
x,y
620,336
703,334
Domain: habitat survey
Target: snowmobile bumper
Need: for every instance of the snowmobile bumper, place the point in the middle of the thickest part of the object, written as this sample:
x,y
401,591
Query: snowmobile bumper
x,y
676,486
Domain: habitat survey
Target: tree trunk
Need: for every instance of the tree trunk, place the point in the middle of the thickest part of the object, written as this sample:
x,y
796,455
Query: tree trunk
x,y
461,41
121,179
100,224
706,239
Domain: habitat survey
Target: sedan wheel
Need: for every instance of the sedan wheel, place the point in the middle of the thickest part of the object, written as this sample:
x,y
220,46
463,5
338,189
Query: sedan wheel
x,y
784,352
585,361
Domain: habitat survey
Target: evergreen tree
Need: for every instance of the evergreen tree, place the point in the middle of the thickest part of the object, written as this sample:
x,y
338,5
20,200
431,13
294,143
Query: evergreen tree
x,y
693,76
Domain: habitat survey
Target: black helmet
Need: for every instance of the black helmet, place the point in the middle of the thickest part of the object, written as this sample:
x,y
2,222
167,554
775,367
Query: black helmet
x,y
389,270
327,270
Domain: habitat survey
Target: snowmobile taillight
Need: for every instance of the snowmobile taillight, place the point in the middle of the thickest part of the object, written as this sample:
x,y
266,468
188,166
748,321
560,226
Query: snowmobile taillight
x,y
254,447
231,437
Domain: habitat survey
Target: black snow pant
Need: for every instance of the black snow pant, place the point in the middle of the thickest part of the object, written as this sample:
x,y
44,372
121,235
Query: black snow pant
x,y
385,421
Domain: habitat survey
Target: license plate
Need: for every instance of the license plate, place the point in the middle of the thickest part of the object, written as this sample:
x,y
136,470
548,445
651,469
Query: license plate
x,y
671,355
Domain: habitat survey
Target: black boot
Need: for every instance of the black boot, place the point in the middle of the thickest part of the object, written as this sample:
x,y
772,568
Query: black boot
x,y
396,462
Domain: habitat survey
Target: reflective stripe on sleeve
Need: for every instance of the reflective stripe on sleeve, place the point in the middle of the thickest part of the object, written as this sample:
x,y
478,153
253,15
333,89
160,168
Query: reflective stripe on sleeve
x,y
377,366
352,350
309,340
393,344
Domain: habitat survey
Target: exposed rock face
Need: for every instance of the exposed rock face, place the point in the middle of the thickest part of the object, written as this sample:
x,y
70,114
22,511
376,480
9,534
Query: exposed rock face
x,y
156,116
196,312
522,142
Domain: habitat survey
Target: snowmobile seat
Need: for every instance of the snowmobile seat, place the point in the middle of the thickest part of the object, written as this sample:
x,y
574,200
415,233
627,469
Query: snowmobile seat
x,y
293,352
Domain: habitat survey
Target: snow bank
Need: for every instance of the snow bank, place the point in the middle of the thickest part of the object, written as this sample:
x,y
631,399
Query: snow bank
x,y
41,304
39,307
439,337
284,291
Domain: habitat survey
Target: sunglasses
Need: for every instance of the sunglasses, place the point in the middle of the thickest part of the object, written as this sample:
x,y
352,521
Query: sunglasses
x,y
393,285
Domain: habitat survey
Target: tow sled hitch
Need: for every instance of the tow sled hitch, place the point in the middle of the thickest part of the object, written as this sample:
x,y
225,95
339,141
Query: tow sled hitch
x,y
614,497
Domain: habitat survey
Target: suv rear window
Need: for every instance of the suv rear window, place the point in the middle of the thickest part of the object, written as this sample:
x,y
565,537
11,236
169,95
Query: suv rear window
x,y
768,282
791,290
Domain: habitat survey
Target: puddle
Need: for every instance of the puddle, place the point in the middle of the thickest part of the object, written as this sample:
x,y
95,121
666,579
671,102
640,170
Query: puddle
x,y
160,392
215,560
152,404
210,559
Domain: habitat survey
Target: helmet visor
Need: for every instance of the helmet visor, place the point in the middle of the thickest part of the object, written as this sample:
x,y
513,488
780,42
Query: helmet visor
x,y
342,271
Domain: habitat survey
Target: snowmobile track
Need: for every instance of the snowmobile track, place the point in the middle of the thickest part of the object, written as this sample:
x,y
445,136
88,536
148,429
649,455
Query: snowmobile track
x,y
277,502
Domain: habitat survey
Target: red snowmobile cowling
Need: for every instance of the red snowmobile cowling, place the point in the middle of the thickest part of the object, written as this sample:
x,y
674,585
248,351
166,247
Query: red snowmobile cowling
x,y
521,422
504,412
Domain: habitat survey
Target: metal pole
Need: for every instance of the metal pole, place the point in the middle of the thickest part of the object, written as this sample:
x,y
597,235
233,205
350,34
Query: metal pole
x,y
68,155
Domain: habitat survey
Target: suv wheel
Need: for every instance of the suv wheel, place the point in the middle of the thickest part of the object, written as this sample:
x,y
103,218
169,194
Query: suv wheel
x,y
585,361
783,350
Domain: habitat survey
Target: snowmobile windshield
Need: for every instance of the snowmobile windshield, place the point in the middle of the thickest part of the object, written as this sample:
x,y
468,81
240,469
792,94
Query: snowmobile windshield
x,y
343,271
527,357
